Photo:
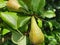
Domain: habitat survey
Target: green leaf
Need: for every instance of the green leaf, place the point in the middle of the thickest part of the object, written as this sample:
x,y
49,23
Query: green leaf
x,y
57,36
23,4
55,24
50,25
52,40
5,31
37,5
23,41
23,20
2,3
39,23
16,36
49,14
28,40
10,18
18,39
24,28
27,2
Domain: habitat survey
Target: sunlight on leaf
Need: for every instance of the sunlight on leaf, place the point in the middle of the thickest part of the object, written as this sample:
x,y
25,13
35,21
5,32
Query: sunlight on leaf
x,y
2,3
49,14
16,36
23,20
10,18
23,41
5,31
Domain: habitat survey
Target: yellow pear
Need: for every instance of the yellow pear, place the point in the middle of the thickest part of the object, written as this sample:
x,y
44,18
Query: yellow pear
x,y
36,35
13,4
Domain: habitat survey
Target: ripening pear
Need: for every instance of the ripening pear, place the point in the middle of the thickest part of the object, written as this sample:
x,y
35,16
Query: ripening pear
x,y
36,35
13,4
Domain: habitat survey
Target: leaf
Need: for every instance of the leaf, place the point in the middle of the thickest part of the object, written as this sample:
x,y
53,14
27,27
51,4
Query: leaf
x,y
52,40
23,41
23,20
39,22
24,28
58,36
28,40
55,24
2,3
16,36
10,18
18,39
5,31
23,4
50,25
27,2
37,5
49,14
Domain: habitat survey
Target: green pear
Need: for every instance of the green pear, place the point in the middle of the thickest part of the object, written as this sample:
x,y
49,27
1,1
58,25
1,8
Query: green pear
x,y
36,35
13,4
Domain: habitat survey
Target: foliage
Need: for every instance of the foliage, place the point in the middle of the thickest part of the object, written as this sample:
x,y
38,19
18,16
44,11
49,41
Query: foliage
x,y
17,24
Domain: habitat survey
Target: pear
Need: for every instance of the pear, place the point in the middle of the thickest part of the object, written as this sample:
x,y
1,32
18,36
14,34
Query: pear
x,y
36,35
13,4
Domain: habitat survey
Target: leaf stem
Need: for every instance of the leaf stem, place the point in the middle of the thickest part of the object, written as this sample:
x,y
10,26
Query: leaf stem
x,y
20,32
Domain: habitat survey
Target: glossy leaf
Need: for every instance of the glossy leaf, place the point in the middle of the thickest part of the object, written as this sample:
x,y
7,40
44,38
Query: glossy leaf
x,y
5,31
18,39
23,20
23,41
49,14
10,18
23,4
39,22
50,25
27,2
2,3
37,5
24,28
16,36
52,40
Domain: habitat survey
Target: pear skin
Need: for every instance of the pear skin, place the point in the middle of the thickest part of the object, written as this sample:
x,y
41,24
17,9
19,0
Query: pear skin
x,y
13,4
36,35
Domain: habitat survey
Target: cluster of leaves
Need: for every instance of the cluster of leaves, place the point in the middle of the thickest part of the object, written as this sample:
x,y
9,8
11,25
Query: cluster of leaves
x,y
16,24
